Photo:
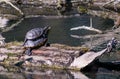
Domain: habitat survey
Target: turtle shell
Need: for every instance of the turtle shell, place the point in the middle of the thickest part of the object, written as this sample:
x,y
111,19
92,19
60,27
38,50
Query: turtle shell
x,y
35,43
34,33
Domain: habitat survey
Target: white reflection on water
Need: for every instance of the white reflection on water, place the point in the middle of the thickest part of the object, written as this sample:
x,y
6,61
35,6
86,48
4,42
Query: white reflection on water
x,y
4,28
79,75
3,22
87,27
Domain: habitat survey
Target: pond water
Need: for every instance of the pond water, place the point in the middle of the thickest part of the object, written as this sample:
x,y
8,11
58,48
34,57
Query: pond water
x,y
60,28
39,73
60,33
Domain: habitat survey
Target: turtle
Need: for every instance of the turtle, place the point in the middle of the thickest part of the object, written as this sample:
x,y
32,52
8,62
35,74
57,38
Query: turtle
x,y
36,37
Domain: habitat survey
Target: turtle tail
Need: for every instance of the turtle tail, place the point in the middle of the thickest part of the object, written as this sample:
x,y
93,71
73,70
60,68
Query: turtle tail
x,y
28,52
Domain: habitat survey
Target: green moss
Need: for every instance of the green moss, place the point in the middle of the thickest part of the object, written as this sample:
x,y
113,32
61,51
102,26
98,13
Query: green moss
x,y
58,67
74,68
61,46
14,43
11,63
6,62
82,9
12,54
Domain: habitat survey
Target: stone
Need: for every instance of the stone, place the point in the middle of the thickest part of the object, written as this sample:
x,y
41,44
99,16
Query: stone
x,y
3,57
56,57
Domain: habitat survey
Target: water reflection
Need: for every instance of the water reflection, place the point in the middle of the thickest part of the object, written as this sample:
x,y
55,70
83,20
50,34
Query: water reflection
x,y
38,73
89,28
60,28
79,75
4,22
10,27
107,74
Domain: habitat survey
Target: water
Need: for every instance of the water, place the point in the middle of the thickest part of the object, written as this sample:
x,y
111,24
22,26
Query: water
x,y
59,33
60,28
39,73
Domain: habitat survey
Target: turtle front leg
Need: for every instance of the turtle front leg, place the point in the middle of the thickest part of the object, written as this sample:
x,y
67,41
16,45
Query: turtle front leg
x,y
28,51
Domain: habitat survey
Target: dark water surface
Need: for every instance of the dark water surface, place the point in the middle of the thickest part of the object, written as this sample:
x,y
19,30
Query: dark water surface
x,y
60,28
39,73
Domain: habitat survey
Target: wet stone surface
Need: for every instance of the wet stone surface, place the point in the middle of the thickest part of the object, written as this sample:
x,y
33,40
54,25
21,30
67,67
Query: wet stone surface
x,y
56,57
